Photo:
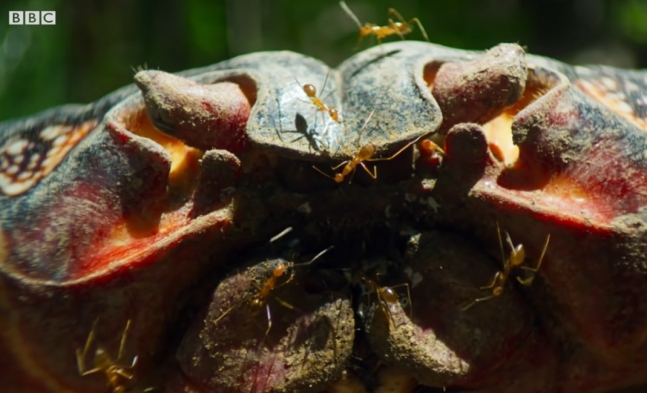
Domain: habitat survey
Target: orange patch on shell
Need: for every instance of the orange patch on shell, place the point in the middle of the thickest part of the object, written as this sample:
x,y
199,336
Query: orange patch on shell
x,y
605,91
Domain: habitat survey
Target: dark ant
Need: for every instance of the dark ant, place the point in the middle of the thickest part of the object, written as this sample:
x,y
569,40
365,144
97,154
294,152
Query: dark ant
x,y
103,362
400,28
264,291
364,154
516,258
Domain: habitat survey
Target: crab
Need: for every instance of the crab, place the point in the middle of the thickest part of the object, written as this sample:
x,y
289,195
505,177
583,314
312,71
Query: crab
x,y
191,209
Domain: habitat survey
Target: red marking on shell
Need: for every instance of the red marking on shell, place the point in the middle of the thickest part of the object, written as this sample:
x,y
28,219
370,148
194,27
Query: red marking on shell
x,y
25,160
118,244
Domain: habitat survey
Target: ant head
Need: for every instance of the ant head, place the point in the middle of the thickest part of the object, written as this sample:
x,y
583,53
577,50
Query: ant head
x,y
339,178
101,358
310,90
518,255
498,290
279,270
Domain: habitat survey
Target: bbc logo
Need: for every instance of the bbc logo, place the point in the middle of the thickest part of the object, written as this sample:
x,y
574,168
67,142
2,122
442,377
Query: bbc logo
x,y
32,17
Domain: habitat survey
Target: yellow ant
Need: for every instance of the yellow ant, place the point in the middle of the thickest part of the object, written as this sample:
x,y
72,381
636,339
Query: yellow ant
x,y
516,258
365,154
103,362
400,28
311,92
264,291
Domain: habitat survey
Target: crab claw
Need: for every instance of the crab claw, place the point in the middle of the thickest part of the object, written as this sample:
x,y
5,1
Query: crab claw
x,y
202,115
476,91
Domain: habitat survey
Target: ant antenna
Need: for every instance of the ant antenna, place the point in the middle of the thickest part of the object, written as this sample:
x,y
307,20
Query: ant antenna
x,y
350,13
315,258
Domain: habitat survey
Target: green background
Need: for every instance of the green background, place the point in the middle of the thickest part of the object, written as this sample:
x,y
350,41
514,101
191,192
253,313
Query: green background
x,y
95,45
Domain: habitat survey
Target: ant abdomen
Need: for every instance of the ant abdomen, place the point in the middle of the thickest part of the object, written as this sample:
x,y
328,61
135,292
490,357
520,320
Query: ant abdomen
x,y
389,296
310,90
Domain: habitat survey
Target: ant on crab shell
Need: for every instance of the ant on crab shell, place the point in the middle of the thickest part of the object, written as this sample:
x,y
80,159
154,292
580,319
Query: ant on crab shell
x,y
516,258
364,154
311,92
400,28
103,362
264,291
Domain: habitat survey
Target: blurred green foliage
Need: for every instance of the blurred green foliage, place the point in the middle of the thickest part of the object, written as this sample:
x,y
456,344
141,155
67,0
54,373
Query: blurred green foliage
x,y
95,45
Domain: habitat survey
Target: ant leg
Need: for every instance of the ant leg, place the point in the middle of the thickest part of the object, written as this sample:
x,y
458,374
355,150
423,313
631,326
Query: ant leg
x,y
269,318
323,88
393,25
422,29
123,341
476,301
93,371
543,252
323,173
468,306
397,153
124,373
493,283
498,232
392,11
374,174
363,127
334,168
224,313
285,304
80,356
324,98
526,281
